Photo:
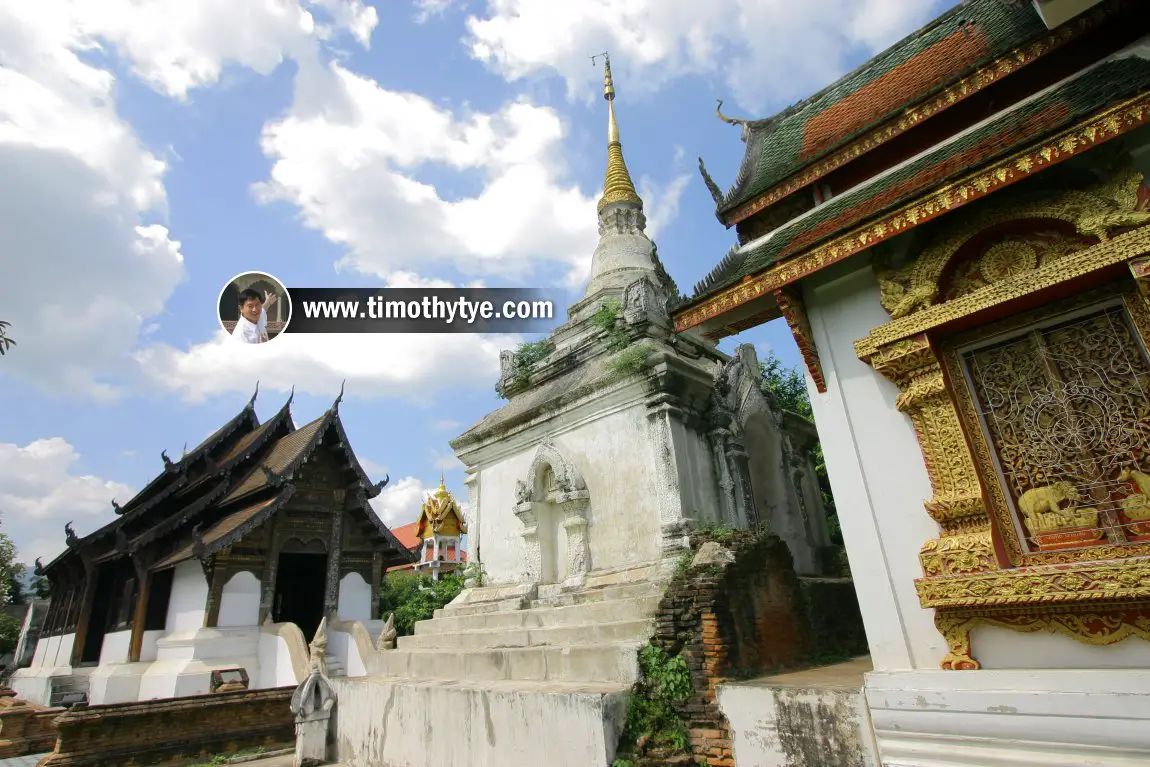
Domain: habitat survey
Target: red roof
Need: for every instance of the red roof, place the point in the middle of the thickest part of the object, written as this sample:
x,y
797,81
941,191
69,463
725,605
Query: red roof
x,y
407,535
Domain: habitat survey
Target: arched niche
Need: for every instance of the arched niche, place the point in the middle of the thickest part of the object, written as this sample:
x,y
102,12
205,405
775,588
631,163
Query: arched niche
x,y
240,601
553,504
354,598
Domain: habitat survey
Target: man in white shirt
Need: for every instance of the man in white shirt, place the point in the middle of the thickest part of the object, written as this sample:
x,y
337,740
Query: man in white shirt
x,y
252,326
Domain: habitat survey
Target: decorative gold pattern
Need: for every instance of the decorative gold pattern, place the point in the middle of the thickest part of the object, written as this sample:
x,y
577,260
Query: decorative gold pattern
x,y
1105,254
914,115
1066,409
618,186
1098,628
1105,126
1000,505
791,305
1093,212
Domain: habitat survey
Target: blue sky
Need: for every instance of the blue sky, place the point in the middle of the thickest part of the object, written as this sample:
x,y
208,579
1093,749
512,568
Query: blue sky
x,y
152,149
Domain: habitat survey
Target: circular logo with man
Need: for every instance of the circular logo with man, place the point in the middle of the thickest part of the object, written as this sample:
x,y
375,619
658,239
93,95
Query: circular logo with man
x,y
254,308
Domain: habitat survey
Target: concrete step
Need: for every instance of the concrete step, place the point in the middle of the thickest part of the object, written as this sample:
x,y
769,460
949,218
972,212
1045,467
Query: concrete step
x,y
432,723
615,663
619,631
589,613
601,594
481,608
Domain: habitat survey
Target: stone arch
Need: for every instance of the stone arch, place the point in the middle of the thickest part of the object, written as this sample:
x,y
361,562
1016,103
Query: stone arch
x,y
553,503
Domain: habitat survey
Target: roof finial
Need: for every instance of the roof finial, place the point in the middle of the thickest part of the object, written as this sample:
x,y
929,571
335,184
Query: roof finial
x,y
618,186
290,396
732,120
256,393
339,399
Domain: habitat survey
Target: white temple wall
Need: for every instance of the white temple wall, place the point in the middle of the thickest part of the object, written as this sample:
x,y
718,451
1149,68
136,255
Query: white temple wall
x,y
876,470
148,646
354,598
623,521
240,601
880,483
697,485
275,666
189,597
115,647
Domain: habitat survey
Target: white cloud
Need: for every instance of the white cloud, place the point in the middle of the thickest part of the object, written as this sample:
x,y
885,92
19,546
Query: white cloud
x,y
82,198
400,501
40,494
428,9
351,159
764,50
445,461
392,364
75,185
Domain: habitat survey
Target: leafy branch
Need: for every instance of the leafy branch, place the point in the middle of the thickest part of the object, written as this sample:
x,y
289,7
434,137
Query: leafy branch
x,y
6,341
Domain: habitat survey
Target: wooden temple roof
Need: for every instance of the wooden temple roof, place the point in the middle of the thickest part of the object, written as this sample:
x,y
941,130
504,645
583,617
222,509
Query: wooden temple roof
x,y
230,484
956,44
1014,126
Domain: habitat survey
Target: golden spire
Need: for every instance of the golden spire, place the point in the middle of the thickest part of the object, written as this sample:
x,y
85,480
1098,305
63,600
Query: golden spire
x,y
618,186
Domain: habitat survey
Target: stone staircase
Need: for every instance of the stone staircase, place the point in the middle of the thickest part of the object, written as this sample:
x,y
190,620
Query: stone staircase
x,y
500,658
335,666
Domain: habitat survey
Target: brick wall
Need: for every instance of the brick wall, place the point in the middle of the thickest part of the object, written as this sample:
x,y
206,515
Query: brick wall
x,y
25,728
746,618
171,730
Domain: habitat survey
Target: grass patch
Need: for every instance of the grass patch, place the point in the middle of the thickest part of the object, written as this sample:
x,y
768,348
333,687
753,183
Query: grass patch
x,y
652,720
219,759
630,361
527,356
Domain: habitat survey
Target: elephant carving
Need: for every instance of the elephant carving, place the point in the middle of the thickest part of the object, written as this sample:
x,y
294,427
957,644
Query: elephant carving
x,y
1044,510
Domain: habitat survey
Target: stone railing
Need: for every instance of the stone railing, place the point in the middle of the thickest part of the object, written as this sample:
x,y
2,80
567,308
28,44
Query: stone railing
x,y
296,645
173,730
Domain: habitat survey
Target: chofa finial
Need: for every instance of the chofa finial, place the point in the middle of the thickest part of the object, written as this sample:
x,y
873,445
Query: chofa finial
x,y
732,120
256,393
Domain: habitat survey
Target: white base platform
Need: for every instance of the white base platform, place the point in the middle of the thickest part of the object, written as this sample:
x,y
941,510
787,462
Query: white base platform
x,y
1046,718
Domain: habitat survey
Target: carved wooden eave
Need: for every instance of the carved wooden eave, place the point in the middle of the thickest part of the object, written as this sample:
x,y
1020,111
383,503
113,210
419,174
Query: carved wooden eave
x,y
182,517
360,499
976,571
1089,133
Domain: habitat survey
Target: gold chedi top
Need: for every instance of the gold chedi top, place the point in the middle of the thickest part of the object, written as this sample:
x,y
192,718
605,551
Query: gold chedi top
x,y
441,515
618,186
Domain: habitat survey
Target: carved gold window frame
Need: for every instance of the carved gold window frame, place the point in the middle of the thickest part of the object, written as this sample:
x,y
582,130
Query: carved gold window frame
x,y
969,576
1122,293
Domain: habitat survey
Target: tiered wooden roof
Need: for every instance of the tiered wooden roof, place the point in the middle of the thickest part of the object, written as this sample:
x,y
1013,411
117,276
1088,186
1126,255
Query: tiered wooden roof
x,y
982,83
225,487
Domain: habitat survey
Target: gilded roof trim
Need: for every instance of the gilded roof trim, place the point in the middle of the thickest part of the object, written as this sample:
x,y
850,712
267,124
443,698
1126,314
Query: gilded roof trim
x,y
1102,127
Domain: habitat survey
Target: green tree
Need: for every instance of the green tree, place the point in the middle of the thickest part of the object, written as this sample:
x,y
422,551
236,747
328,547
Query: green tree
x,y
415,597
16,595
789,387
6,341
9,571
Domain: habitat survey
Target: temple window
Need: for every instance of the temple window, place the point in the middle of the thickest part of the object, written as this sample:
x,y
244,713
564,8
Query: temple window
x,y
1065,407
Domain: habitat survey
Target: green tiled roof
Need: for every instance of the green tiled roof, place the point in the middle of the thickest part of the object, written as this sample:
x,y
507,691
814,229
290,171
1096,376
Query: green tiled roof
x,y
1109,82
775,146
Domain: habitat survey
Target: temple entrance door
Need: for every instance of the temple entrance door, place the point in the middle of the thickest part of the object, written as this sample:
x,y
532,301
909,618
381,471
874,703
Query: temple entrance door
x,y
100,615
552,544
300,583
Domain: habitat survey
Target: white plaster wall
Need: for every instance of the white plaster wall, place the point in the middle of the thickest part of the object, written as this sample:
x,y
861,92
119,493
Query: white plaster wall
x,y
611,454
275,668
148,646
354,598
775,726
115,647
879,481
39,652
380,722
1024,718
239,601
189,597
877,473
63,649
